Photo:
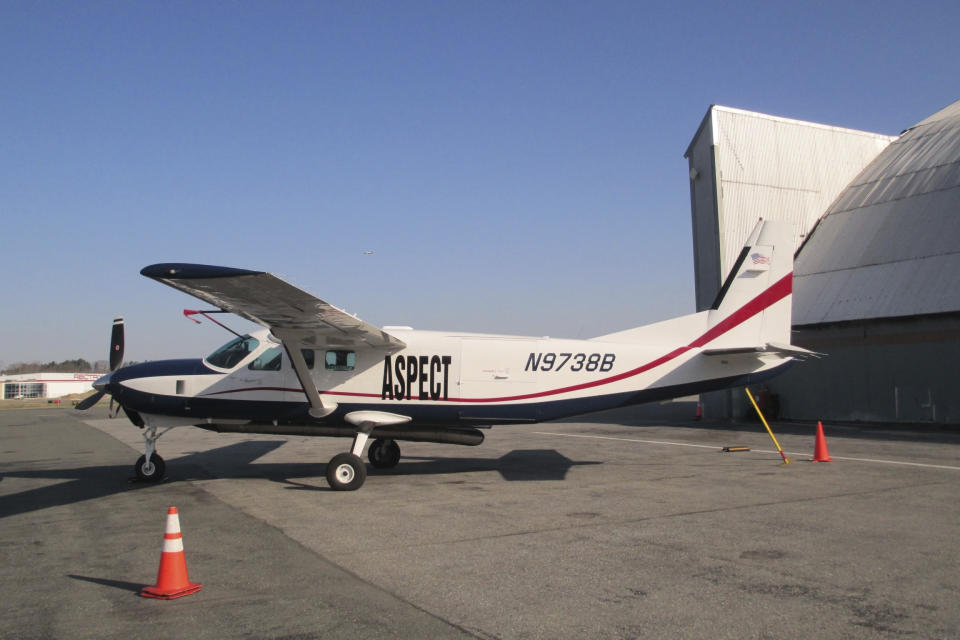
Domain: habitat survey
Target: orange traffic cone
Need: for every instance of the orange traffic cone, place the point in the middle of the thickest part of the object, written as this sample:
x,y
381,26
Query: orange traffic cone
x,y
172,581
820,453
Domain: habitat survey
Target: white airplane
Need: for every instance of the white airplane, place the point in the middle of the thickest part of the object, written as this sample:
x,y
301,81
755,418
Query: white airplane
x,y
317,370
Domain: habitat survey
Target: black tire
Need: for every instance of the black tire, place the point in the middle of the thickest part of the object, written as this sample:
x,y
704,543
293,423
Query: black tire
x,y
152,472
346,472
384,453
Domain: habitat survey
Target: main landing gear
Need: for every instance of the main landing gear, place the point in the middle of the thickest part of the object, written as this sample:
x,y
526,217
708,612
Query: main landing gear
x,y
347,472
384,453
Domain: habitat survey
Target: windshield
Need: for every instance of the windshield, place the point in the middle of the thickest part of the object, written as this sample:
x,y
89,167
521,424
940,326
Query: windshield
x,y
229,355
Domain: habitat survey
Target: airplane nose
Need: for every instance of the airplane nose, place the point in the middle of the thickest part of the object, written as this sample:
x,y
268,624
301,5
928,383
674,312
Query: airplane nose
x,y
102,382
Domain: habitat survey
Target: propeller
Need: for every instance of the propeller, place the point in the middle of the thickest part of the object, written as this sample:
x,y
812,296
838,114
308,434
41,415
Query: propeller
x,y
116,359
116,344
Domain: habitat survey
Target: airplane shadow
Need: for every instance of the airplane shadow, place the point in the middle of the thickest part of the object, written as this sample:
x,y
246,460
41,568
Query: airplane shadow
x,y
89,483
516,466
520,465
237,461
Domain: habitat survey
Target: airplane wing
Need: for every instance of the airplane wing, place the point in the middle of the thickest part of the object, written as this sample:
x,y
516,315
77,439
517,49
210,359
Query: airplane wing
x,y
269,301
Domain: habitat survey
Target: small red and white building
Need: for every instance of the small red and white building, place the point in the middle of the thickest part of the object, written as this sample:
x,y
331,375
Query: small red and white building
x,y
46,385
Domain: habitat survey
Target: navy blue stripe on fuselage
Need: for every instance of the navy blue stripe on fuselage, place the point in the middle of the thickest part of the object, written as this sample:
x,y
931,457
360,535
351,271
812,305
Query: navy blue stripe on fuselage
x,y
182,367
422,414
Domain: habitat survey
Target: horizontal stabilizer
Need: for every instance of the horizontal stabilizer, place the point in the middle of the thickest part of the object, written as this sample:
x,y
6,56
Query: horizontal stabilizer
x,y
770,347
792,350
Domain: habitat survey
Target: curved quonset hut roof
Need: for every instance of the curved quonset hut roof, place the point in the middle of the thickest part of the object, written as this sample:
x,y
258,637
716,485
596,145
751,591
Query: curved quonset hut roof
x,y
889,245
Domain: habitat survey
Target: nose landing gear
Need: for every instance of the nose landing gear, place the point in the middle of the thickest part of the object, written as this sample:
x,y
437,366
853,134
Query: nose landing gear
x,y
150,467
150,471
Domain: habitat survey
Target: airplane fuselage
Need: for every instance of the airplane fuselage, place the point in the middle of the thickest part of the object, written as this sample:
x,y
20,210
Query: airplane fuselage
x,y
438,379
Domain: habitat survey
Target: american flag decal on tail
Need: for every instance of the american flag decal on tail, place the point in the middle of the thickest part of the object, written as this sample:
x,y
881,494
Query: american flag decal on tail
x,y
759,258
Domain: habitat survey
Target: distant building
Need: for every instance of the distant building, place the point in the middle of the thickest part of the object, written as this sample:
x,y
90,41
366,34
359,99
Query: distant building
x,y
46,385
876,288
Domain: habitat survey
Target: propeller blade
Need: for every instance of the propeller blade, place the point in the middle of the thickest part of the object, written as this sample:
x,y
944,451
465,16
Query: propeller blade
x,y
116,344
89,401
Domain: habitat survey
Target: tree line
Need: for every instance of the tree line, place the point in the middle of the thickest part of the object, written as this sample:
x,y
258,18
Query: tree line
x,y
66,366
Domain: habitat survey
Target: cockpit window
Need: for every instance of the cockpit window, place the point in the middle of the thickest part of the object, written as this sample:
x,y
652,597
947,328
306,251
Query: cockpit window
x,y
229,355
269,360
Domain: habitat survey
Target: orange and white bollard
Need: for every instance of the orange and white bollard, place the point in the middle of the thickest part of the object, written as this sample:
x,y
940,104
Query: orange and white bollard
x,y
172,581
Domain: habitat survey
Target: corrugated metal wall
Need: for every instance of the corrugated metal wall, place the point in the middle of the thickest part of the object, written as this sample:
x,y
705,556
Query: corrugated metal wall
x,y
902,370
890,243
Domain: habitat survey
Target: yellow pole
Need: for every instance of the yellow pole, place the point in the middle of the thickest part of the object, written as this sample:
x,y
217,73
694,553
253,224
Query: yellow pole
x,y
764,421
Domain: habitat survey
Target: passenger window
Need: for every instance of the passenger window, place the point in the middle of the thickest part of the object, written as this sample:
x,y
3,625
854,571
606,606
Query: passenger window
x,y
269,360
341,360
308,357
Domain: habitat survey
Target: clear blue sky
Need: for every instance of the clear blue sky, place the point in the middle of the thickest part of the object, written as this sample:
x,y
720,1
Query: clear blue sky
x,y
515,166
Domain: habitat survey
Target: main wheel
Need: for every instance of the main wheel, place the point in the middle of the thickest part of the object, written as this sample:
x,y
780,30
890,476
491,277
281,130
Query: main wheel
x,y
384,453
150,471
346,472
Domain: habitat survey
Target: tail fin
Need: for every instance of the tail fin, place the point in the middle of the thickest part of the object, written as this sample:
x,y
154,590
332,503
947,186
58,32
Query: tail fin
x,y
754,306
752,312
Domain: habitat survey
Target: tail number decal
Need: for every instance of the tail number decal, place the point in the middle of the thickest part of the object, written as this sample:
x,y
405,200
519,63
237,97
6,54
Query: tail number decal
x,y
578,361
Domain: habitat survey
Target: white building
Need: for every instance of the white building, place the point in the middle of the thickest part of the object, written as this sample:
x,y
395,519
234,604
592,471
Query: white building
x,y
46,385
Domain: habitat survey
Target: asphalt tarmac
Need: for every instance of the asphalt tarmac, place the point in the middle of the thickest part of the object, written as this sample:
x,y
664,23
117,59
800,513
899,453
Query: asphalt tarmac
x,y
606,527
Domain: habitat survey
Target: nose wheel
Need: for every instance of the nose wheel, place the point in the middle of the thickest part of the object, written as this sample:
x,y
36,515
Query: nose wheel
x,y
150,470
150,467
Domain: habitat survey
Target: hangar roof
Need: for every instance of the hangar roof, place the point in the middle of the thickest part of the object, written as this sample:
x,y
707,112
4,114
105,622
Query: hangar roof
x,y
889,245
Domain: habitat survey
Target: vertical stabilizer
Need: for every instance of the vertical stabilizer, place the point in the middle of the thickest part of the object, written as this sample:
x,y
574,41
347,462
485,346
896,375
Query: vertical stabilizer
x,y
753,308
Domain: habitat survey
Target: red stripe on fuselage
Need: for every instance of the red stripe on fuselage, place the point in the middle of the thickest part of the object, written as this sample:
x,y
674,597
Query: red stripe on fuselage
x,y
773,294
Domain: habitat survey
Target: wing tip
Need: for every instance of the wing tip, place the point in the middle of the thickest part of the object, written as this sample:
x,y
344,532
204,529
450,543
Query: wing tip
x,y
186,271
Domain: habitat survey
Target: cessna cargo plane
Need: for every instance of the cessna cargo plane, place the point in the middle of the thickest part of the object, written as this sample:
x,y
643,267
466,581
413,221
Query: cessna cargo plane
x,y
317,370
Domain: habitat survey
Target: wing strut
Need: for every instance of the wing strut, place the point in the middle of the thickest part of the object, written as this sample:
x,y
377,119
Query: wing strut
x,y
318,408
